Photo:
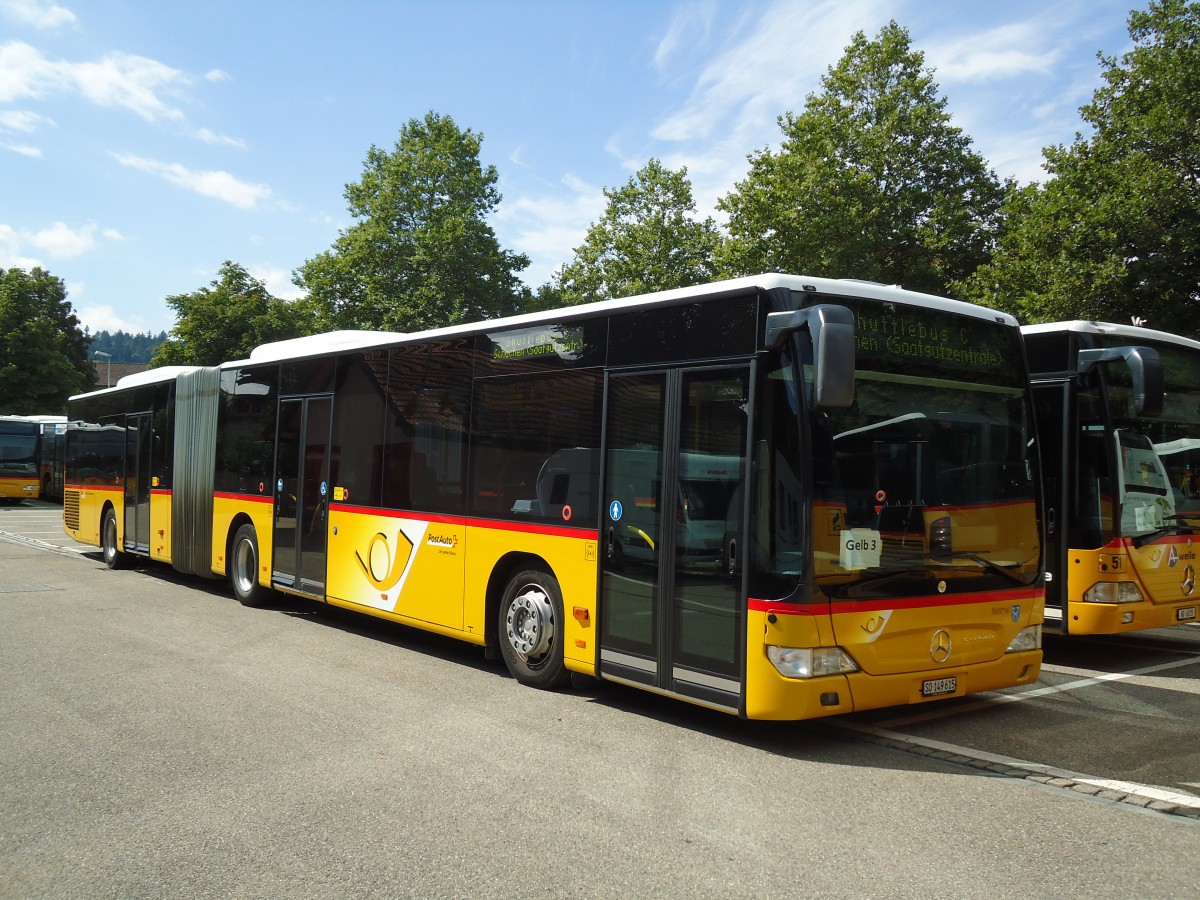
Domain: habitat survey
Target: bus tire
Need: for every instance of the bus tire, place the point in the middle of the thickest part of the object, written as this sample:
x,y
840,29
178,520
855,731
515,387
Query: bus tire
x,y
114,558
243,568
531,629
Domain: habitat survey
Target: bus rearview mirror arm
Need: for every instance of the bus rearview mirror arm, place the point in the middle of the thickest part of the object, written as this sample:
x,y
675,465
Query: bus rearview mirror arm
x,y
1145,367
832,330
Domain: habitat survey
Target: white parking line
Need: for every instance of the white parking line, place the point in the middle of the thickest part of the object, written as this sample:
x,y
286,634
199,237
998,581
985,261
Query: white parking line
x,y
1141,795
989,700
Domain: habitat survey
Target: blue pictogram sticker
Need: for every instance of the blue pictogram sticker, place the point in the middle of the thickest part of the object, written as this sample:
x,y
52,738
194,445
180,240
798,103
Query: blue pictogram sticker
x,y
615,510
279,485
324,488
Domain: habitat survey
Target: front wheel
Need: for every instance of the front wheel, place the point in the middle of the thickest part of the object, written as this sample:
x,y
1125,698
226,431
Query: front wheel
x,y
113,557
531,630
243,568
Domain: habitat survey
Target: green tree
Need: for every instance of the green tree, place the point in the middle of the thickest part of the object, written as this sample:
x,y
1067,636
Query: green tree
x,y
871,181
228,320
1115,231
421,254
125,347
43,350
648,239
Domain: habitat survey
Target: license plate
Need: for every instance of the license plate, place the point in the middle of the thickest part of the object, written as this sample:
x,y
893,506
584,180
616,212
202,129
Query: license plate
x,y
1186,614
935,687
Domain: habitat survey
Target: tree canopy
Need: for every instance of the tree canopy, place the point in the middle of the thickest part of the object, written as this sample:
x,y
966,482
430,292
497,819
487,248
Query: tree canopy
x,y
1115,231
871,181
649,239
227,320
43,350
421,254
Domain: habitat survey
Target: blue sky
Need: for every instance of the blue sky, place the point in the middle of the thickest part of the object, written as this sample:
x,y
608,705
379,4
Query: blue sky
x,y
143,143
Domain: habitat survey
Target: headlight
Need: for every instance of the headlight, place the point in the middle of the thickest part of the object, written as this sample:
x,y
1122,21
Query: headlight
x,y
1028,638
810,662
1113,592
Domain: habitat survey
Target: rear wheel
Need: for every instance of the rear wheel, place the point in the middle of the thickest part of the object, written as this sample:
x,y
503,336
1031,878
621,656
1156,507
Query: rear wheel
x,y
114,558
531,629
243,568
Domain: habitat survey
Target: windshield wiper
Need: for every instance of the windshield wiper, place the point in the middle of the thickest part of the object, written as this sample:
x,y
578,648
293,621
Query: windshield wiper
x,y
1141,540
1006,571
855,589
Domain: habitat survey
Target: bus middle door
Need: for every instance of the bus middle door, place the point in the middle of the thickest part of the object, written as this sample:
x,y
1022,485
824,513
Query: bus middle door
x,y
139,438
671,609
302,494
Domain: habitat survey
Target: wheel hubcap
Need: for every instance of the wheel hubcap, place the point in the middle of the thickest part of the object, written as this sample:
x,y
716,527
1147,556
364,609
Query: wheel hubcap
x,y
243,566
531,622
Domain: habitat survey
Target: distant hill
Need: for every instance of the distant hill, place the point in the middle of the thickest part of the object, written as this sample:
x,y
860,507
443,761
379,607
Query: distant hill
x,y
125,347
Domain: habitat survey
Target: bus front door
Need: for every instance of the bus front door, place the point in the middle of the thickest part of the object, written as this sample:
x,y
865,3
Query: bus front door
x,y
672,600
302,495
138,442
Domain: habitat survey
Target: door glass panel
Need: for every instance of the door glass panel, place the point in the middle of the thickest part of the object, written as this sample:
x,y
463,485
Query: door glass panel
x,y
706,622
314,494
287,489
632,521
137,481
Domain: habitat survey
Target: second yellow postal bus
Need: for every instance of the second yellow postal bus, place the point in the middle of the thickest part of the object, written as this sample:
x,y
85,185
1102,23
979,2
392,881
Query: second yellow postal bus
x,y
779,497
1119,417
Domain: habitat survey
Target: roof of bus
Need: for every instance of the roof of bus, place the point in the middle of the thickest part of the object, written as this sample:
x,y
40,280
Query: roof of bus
x,y
319,344
38,420
1133,332
149,376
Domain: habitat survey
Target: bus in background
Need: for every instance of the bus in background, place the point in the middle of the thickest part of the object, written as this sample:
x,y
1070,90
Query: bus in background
x,y
1118,412
39,441
755,495
20,455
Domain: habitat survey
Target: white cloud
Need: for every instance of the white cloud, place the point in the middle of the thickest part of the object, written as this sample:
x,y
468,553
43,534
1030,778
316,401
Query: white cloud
x,y
58,241
63,242
121,80
24,150
221,140
129,82
38,13
548,228
215,75
22,120
105,318
752,81
998,53
277,280
690,24
216,184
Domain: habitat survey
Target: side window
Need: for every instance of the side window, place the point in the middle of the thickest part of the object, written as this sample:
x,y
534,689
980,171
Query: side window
x,y
246,430
536,447
426,413
356,457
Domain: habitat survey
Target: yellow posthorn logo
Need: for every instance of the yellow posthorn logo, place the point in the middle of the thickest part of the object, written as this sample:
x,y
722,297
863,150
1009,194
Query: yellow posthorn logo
x,y
381,568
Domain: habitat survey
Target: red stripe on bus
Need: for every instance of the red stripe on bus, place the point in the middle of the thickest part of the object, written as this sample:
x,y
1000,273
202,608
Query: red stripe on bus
x,y
467,522
928,601
249,498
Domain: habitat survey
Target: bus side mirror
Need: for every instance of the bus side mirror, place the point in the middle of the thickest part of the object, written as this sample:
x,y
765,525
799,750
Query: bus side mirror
x,y
1145,368
832,331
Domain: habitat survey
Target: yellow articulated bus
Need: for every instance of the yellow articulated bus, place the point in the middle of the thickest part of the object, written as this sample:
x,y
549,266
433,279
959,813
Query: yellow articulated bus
x,y
1118,412
778,497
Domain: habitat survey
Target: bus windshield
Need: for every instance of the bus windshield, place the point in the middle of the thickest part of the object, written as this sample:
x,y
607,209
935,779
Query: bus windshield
x,y
1158,476
927,484
18,453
